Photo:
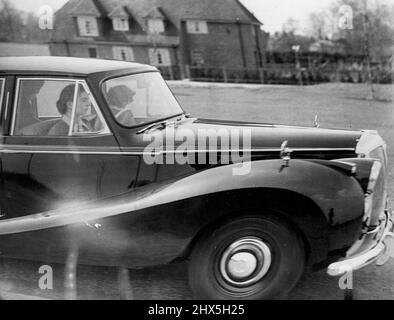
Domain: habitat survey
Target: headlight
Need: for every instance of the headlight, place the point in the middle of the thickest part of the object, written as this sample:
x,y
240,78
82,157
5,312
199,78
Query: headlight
x,y
375,197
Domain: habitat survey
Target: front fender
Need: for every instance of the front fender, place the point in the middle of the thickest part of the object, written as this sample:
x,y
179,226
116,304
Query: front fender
x,y
338,195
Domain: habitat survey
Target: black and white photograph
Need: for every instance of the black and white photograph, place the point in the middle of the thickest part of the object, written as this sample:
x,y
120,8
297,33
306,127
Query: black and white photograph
x,y
188,150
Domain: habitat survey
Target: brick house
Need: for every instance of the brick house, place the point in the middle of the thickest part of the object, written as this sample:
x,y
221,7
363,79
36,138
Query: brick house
x,y
209,33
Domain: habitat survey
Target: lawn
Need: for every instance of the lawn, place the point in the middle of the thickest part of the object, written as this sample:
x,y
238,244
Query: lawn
x,y
337,105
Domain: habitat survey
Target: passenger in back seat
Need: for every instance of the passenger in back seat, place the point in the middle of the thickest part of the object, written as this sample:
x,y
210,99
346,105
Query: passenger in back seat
x,y
65,106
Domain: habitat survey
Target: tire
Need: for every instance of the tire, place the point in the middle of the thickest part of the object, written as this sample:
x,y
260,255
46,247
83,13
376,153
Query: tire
x,y
275,252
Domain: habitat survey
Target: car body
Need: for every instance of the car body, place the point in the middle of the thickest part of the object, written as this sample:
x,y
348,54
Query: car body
x,y
312,197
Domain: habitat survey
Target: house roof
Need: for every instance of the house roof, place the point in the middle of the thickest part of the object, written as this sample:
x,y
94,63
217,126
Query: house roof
x,y
155,13
175,10
118,12
85,7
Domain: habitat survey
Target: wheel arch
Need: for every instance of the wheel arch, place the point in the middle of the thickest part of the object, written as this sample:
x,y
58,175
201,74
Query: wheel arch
x,y
310,222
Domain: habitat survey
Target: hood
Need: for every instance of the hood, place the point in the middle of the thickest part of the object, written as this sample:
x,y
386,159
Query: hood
x,y
269,136
260,138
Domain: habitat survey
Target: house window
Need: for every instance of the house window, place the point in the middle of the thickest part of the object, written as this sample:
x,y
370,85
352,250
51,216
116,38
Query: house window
x,y
160,57
197,26
155,25
197,58
87,26
120,24
253,30
93,52
123,53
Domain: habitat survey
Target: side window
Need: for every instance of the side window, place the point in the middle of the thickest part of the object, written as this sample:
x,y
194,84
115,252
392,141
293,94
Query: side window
x,y
48,107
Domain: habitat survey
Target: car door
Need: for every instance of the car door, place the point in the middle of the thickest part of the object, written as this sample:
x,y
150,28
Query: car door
x,y
49,163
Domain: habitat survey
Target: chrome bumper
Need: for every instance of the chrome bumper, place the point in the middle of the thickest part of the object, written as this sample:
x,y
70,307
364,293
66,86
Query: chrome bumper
x,y
360,260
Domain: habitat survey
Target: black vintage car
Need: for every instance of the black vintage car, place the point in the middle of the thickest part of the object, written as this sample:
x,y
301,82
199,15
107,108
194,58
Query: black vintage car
x,y
94,156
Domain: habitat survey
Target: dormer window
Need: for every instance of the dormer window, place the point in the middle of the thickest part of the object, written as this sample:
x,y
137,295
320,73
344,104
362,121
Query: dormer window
x,y
87,26
120,19
155,25
155,21
120,24
197,26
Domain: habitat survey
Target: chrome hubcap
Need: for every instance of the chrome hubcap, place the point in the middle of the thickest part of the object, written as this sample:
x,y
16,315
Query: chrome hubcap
x,y
245,262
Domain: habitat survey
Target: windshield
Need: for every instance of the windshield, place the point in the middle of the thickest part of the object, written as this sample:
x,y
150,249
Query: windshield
x,y
140,98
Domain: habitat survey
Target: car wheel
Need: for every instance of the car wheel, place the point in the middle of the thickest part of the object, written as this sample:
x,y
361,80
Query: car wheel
x,y
252,258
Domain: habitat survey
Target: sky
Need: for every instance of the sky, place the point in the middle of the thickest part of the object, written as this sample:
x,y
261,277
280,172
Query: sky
x,y
273,13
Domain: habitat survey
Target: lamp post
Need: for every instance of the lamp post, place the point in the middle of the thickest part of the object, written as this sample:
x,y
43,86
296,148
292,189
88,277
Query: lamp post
x,y
367,50
296,49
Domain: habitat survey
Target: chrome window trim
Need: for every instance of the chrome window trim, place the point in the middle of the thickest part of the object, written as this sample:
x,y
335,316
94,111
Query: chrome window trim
x,y
106,129
2,93
128,151
71,128
7,101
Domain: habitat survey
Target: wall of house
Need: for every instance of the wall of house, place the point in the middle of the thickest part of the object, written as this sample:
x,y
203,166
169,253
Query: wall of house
x,y
229,45
105,51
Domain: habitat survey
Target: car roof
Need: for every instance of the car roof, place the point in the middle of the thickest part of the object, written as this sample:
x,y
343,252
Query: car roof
x,y
67,65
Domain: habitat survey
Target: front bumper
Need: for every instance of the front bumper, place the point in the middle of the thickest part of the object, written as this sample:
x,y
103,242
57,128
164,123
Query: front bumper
x,y
377,245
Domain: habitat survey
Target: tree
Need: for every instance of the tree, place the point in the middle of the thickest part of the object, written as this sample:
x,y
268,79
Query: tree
x,y
10,22
325,24
290,26
321,25
18,25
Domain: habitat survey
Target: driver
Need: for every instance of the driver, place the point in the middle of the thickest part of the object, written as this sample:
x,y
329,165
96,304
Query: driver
x,y
120,99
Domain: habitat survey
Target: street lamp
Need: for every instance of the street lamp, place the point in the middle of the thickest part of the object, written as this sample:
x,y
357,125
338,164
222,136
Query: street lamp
x,y
296,49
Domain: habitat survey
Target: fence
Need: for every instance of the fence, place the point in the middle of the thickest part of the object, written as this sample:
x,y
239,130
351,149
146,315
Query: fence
x,y
171,72
282,73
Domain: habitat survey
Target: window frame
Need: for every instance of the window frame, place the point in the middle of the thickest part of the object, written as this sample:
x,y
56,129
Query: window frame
x,y
2,89
165,57
130,53
141,125
104,132
118,25
81,22
151,24
197,27
97,52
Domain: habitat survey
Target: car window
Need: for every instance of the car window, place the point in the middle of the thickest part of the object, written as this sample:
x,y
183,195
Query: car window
x,y
47,107
140,98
